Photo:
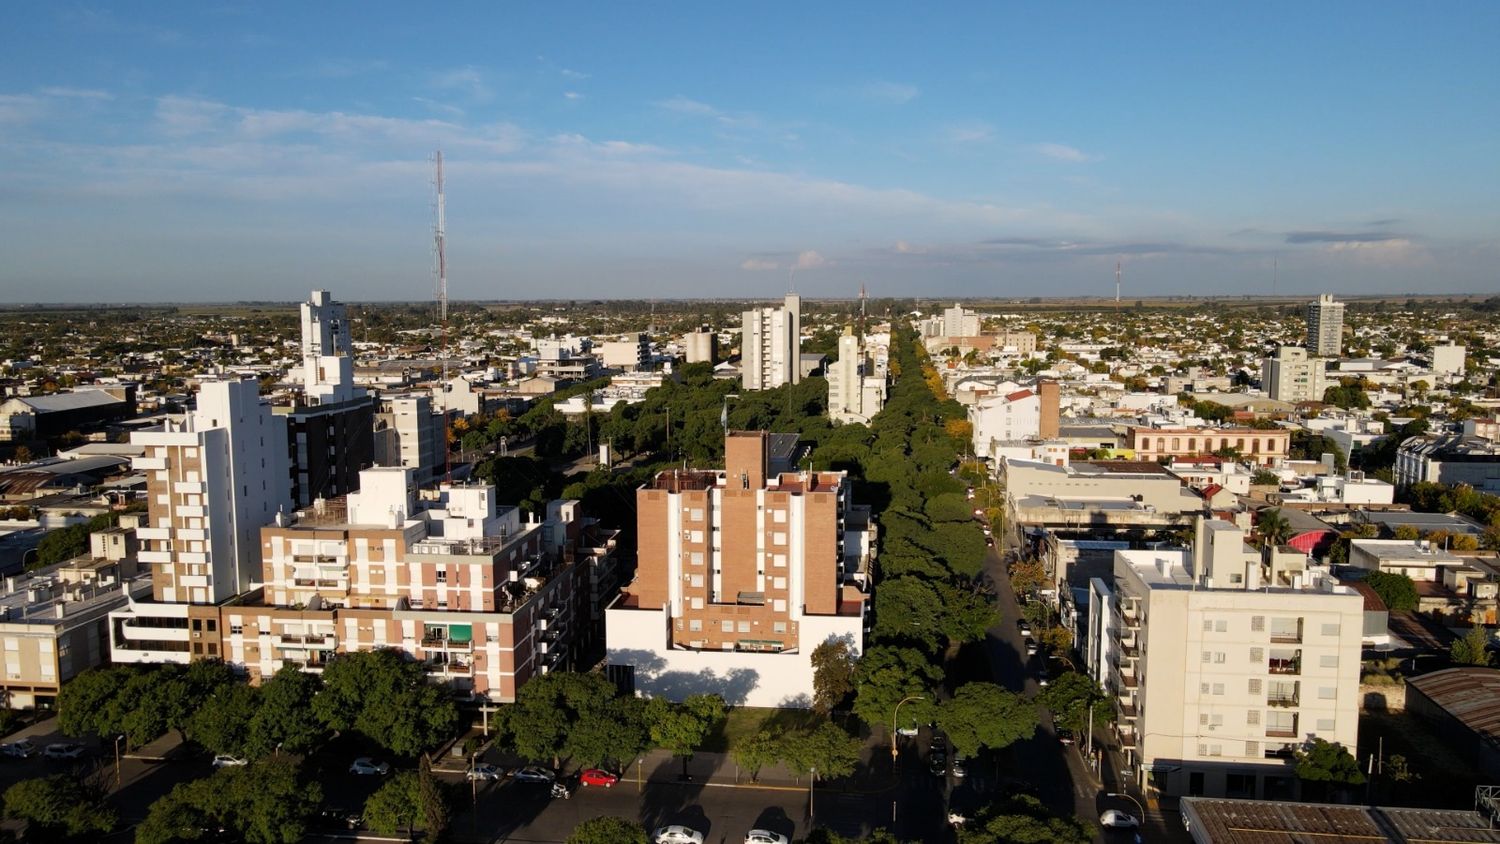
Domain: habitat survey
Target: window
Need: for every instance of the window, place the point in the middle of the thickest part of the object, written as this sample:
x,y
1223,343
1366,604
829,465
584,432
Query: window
x,y
697,581
1328,661
697,603
1331,629
1252,748
1207,657
1258,623
1219,658
726,626
1207,720
778,516
778,538
1208,625
236,629
442,576
695,536
1327,692
695,514
695,625
778,627
1221,626
1203,688
1254,687
1325,725
1252,717
779,605
778,583
696,558
778,560
744,627
1257,654
1218,688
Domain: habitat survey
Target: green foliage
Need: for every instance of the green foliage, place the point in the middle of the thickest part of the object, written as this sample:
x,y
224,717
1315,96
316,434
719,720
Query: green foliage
x,y
968,613
266,802
1328,762
1265,477
827,749
762,748
887,674
141,703
1397,591
285,718
1070,698
1306,445
833,664
386,699
608,830
1023,819
1273,527
981,715
222,724
69,542
682,727
1473,648
59,808
396,806
1349,395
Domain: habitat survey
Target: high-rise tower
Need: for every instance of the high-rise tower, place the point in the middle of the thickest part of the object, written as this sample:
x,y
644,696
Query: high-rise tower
x,y
1325,327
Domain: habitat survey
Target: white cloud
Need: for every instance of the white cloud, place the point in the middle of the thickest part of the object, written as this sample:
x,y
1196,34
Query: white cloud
x,y
810,260
440,107
894,93
759,265
573,74
683,105
572,95
970,133
1063,152
76,93
468,79
904,248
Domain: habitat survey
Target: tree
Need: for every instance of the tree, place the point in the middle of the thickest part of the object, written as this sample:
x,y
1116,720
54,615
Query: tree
x,y
1027,576
1327,762
432,800
285,719
967,613
83,700
908,610
758,750
885,675
608,830
58,807
396,806
1023,819
1274,529
386,699
223,723
1473,648
682,727
1070,697
833,664
1265,477
826,749
981,715
564,712
1396,590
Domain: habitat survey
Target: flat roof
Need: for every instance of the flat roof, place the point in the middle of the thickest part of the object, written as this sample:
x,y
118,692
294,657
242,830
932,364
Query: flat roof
x,y
1404,550
1276,822
1471,694
1422,521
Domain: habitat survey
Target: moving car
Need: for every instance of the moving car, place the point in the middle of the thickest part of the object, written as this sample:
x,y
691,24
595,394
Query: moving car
x,y
1031,648
20,749
485,771
63,750
1116,819
534,773
367,767
765,836
224,760
598,776
336,817
907,730
1064,735
1025,627
677,834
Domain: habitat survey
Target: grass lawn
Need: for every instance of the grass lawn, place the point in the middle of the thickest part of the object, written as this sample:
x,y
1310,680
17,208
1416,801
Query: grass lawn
x,y
745,721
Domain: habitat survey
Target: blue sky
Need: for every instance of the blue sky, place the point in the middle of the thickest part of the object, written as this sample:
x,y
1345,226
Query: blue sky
x,y
219,151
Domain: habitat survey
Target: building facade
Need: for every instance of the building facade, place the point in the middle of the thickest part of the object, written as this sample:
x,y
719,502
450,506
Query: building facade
x,y
1449,459
1291,375
1325,327
960,322
1266,446
1222,666
740,574
855,392
408,434
771,345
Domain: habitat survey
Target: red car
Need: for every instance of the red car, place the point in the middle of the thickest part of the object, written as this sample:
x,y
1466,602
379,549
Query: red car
x,y
595,776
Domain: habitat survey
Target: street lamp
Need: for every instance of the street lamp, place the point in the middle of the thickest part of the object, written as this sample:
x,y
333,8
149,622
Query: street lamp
x,y
119,738
811,780
894,715
1138,806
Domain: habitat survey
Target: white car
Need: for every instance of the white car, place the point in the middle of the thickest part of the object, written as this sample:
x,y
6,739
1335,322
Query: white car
x,y
765,836
367,767
224,760
63,750
1116,819
677,834
20,749
907,730
486,771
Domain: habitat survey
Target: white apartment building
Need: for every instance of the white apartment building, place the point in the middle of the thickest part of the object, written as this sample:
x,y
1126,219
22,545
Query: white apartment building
x,y
1418,559
771,345
855,392
327,353
1221,666
213,480
1291,375
960,322
1325,327
700,346
1448,359
630,353
1025,414
410,435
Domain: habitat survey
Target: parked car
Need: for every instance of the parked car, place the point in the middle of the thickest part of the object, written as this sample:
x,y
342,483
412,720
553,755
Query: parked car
x,y
224,760
485,771
907,730
677,834
340,818
765,836
598,776
19,749
534,773
1116,819
366,767
63,750
959,771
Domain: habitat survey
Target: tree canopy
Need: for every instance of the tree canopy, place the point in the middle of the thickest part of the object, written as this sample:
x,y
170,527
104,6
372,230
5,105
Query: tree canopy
x,y
983,715
1396,590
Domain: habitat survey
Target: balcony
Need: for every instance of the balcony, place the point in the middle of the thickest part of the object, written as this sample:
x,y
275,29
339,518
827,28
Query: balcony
x,y
1284,666
315,640
1127,739
1126,708
1284,701
1280,732
308,583
444,643
1286,631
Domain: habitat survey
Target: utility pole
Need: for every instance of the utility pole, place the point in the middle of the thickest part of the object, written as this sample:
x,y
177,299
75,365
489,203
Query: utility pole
x,y
439,238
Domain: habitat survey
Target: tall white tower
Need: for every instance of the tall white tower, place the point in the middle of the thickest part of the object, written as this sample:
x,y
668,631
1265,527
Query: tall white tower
x,y
327,353
1325,327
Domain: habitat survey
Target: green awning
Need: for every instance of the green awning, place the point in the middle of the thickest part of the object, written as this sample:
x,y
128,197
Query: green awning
x,y
461,633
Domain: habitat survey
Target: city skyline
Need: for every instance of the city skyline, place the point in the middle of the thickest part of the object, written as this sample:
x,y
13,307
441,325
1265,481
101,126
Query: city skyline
x,y
198,154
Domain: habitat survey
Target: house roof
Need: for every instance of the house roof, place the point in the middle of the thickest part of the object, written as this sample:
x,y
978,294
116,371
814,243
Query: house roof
x,y
1470,694
75,400
1278,822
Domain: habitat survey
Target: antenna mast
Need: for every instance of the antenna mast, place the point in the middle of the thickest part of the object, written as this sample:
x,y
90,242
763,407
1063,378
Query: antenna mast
x,y
1117,285
440,237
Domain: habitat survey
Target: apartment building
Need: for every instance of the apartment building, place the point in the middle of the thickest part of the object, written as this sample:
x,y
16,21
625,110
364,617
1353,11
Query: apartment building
x,y
771,345
855,392
212,480
1449,459
1325,327
54,621
481,599
958,321
700,346
1268,447
1222,665
630,353
1291,375
408,434
1024,414
740,574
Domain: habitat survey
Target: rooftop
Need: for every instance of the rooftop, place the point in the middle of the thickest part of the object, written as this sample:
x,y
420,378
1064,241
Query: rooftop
x,y
42,597
1405,550
1470,694
1276,822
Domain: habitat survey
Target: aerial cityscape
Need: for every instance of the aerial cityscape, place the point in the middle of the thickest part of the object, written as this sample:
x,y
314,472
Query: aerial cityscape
x,y
614,425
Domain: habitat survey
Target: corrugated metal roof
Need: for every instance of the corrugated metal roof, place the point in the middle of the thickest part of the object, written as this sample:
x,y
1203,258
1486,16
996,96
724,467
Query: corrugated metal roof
x,y
75,400
1471,694
1275,822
